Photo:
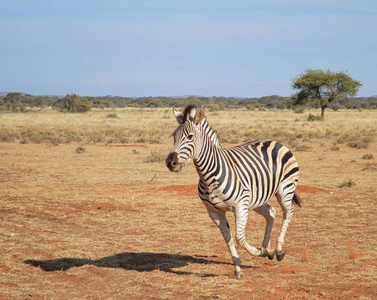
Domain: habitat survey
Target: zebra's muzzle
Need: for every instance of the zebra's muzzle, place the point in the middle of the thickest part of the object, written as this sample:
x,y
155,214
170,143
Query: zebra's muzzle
x,y
172,162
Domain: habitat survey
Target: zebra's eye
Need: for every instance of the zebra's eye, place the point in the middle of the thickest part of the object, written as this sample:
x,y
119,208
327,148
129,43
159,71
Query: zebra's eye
x,y
190,137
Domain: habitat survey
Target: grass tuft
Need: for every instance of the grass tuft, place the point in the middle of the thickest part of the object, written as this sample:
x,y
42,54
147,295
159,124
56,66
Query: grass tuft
x,y
312,118
80,149
155,156
358,144
112,116
369,168
349,183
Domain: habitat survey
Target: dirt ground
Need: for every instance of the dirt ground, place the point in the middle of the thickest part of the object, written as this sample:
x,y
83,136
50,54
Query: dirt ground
x,y
104,223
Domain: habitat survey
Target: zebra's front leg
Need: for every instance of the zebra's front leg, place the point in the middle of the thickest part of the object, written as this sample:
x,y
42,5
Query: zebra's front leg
x,y
268,212
240,216
220,220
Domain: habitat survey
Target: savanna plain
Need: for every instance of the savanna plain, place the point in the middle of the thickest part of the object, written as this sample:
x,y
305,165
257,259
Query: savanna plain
x,y
88,209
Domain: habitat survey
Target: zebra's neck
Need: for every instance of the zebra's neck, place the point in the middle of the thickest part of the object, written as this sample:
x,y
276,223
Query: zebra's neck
x,y
208,158
210,133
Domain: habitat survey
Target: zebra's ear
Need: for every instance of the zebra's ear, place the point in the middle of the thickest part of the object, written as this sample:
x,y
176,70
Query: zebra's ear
x,y
178,116
199,115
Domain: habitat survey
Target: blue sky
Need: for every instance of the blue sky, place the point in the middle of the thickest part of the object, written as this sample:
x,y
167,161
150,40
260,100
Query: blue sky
x,y
171,48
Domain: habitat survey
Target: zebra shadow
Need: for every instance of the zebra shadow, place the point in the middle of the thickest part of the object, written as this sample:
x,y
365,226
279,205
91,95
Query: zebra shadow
x,y
141,262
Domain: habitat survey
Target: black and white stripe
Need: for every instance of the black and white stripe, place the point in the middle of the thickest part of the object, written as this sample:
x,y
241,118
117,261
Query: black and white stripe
x,y
237,179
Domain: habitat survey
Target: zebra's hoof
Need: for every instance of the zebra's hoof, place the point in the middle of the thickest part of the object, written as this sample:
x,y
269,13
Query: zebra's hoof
x,y
280,256
271,256
238,275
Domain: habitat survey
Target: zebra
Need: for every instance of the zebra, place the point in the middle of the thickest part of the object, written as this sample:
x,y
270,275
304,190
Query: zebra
x,y
237,179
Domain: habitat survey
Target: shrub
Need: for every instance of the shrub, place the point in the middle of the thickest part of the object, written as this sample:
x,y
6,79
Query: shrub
x,y
348,183
299,110
250,106
73,103
152,102
6,137
112,116
368,156
302,148
312,118
369,168
358,144
80,149
341,140
13,102
156,156
96,138
55,140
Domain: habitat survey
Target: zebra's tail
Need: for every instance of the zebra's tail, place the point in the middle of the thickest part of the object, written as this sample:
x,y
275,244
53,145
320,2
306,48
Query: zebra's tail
x,y
296,199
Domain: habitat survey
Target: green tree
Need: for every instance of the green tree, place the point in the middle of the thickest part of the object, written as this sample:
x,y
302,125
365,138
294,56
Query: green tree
x,y
323,87
192,100
73,103
152,102
12,101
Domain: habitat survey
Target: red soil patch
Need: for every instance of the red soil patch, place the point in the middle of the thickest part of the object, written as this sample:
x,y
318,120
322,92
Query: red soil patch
x,y
286,269
186,189
310,189
368,165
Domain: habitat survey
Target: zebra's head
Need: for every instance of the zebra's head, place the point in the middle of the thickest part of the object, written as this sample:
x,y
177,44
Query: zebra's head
x,y
186,136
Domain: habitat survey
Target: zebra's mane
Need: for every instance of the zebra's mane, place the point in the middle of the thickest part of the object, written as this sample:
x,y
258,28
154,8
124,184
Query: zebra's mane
x,y
211,133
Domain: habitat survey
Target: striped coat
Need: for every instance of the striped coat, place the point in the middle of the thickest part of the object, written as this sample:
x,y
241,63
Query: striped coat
x,y
238,179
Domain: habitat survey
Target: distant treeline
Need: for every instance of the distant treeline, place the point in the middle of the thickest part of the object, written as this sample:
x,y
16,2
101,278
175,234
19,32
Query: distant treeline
x,y
75,103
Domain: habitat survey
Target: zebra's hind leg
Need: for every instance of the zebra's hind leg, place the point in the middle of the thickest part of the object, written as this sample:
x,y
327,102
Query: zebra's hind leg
x,y
268,212
284,197
220,220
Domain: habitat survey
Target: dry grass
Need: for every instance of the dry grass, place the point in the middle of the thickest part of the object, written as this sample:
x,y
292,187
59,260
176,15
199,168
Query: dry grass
x,y
130,126
154,126
104,224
